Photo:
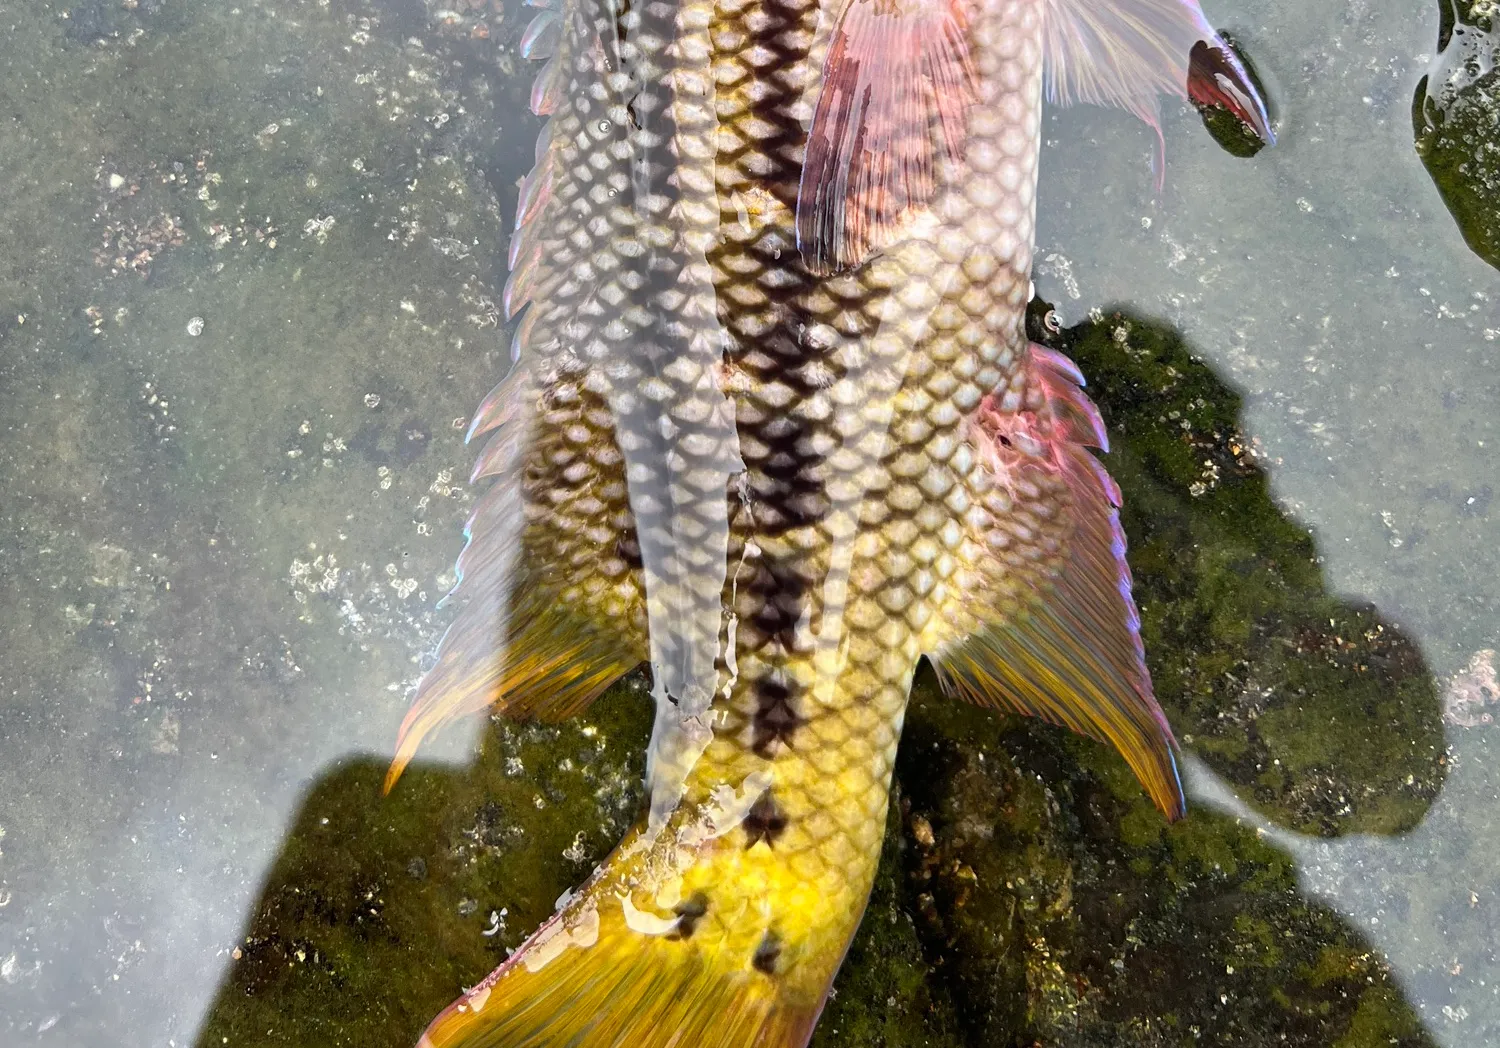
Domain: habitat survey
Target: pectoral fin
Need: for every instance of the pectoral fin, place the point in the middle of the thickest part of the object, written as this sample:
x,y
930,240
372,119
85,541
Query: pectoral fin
x,y
897,83
1063,643
1127,53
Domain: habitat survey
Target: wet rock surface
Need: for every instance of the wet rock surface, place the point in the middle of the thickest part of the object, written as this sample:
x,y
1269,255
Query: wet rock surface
x,y
1456,121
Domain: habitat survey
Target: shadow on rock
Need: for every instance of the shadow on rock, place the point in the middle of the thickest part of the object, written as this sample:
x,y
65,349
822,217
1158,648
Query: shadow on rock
x,y
1029,893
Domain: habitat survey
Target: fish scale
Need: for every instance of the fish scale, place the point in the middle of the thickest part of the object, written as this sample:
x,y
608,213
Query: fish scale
x,y
775,426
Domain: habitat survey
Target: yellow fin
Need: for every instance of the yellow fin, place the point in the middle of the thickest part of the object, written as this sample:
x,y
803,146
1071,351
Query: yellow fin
x,y
587,979
550,618
550,668
1069,651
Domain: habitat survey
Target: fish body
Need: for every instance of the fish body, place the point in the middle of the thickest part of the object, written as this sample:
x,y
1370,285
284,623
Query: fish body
x,y
775,427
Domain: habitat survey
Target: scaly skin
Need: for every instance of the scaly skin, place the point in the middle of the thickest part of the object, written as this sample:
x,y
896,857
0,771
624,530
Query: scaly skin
x,y
873,508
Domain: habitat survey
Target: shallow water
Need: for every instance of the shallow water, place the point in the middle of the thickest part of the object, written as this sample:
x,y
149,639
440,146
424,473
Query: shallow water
x,y
248,289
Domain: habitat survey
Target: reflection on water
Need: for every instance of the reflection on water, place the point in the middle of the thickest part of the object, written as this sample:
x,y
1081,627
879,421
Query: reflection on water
x,y
221,551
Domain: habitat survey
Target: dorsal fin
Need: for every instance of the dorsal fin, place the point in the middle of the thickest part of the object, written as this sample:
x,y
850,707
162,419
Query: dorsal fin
x,y
896,84
1064,645
1127,53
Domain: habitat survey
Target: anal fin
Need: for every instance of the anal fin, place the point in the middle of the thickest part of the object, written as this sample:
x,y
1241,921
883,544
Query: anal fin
x,y
1068,650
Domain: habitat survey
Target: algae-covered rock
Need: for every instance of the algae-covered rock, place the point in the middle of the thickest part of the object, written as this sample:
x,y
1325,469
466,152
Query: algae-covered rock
x,y
1064,911
1456,122
1320,711
1232,134
378,912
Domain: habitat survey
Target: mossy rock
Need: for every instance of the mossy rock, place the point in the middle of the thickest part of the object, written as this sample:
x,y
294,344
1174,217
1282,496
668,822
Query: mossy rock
x,y
1318,710
1063,910
1458,139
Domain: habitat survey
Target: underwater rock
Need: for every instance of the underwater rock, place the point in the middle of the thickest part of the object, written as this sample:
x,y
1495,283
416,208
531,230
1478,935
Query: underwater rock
x,y
1455,119
1061,910
1319,711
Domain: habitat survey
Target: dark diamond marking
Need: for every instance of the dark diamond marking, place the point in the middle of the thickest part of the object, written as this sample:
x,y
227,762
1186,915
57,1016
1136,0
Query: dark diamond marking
x,y
764,822
688,913
780,594
775,721
767,954
628,549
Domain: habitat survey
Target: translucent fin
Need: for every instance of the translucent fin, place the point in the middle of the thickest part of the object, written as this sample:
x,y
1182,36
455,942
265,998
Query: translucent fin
x,y
522,282
588,979
550,666
536,190
896,84
547,88
1069,649
542,35
498,406
524,643
1126,53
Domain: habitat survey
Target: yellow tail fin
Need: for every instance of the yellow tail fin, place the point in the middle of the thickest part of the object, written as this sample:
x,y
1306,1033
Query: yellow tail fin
x,y
606,974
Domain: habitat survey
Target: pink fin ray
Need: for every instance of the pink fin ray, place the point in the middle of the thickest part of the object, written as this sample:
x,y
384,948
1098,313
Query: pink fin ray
x,y
896,86
1075,419
546,90
1071,654
498,406
1127,53
541,37
535,192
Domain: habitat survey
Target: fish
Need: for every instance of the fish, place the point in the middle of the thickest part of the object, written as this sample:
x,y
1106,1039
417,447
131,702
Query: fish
x,y
774,427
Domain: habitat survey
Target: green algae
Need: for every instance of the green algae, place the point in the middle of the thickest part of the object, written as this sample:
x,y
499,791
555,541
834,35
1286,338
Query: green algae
x,y
378,912
1059,924
1323,712
1458,139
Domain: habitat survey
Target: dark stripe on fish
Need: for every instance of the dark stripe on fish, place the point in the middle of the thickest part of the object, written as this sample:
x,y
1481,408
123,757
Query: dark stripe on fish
x,y
767,954
776,719
628,549
780,592
689,912
764,822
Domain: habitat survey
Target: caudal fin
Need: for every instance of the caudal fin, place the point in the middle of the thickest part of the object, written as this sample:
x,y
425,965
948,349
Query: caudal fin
x,y
604,973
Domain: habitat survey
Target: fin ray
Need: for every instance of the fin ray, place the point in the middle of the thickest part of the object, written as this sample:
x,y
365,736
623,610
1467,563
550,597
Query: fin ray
x,y
1127,53
896,85
1070,652
587,979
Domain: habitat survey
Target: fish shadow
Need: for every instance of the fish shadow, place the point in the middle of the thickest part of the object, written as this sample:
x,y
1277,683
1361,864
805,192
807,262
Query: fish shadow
x,y
1028,892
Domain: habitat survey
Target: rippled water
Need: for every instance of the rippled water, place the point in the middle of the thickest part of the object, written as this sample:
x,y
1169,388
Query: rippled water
x,y
249,270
